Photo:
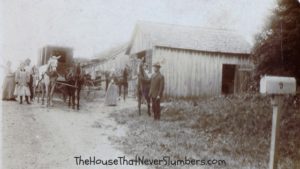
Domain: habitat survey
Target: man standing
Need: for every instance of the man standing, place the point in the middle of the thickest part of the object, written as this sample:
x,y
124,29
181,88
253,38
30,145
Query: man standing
x,y
156,90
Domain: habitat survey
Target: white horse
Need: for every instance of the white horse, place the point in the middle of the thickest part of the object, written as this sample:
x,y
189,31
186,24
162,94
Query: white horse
x,y
47,79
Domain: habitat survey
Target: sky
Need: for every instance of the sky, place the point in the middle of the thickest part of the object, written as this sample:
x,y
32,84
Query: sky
x,y
92,26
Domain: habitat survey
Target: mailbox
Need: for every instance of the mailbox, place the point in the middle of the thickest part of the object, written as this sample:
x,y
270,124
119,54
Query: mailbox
x,y
277,85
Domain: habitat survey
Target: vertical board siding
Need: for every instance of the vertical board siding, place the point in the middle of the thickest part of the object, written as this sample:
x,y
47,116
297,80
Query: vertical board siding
x,y
192,73
141,42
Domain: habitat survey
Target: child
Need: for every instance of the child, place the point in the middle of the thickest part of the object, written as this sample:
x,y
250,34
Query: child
x,y
22,79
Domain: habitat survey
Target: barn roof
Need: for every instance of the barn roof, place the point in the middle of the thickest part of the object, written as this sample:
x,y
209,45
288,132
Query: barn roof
x,y
110,53
184,37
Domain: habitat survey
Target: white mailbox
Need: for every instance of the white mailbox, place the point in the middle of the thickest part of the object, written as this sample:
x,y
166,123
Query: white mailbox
x,y
277,85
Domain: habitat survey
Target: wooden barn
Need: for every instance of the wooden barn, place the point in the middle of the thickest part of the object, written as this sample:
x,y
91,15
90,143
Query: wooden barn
x,y
195,61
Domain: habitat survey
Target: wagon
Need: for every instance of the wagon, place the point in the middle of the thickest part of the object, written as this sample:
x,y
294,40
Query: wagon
x,y
65,61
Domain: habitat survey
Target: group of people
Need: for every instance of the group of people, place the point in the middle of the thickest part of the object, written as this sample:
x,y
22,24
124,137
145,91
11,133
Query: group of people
x,y
19,84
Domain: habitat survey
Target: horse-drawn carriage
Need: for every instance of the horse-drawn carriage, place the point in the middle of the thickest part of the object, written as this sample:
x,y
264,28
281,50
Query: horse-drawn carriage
x,y
58,72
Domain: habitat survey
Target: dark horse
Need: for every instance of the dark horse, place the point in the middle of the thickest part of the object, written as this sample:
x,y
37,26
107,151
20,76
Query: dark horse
x,y
123,82
143,88
75,80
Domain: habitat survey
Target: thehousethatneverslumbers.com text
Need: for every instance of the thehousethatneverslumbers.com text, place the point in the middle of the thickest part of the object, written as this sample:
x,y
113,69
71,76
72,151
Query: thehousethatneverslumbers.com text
x,y
141,160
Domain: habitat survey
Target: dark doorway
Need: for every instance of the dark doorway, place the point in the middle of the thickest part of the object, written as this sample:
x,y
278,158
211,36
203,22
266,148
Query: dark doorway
x,y
228,71
147,55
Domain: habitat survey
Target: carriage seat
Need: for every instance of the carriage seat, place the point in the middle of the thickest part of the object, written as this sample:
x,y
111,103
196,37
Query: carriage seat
x,y
61,79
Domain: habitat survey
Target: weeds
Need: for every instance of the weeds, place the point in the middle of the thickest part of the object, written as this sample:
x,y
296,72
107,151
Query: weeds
x,y
235,128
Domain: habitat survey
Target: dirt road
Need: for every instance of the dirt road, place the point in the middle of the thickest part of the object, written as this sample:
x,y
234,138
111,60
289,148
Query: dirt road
x,y
36,137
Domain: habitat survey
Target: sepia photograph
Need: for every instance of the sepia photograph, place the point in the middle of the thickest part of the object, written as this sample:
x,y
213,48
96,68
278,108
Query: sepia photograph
x,y
150,84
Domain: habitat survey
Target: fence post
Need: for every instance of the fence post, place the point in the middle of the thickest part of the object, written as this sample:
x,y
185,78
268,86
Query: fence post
x,y
276,103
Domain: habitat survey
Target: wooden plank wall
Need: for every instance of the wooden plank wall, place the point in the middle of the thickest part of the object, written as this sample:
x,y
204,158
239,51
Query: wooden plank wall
x,y
192,73
142,41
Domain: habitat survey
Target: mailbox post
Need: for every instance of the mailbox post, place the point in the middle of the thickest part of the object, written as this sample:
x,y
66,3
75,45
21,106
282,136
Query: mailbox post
x,y
277,87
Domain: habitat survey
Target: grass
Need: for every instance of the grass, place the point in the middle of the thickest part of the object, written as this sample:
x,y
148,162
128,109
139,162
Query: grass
x,y
234,128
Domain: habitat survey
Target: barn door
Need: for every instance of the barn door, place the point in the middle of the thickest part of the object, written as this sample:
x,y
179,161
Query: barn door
x,y
228,71
147,54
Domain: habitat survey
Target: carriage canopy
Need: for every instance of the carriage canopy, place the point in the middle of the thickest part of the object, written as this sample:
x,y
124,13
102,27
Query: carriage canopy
x,y
65,61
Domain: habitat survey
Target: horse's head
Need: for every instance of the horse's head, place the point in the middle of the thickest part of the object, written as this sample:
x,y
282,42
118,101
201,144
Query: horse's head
x,y
75,73
53,63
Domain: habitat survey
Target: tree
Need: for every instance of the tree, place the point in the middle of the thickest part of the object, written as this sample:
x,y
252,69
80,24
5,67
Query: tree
x,y
277,51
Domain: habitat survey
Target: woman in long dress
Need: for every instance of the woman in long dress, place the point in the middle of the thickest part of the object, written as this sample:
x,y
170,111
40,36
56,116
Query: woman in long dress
x,y
111,94
8,84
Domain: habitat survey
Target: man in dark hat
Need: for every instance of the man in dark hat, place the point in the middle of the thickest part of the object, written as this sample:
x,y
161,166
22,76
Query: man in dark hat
x,y
156,90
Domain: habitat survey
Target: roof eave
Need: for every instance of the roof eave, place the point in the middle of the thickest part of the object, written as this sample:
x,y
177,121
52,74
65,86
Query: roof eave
x,y
205,51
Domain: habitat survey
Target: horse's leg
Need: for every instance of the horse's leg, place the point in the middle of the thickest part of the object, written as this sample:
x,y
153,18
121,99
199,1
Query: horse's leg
x,y
139,101
73,99
120,90
47,88
78,96
37,93
148,105
42,93
64,96
47,93
124,92
33,92
69,104
69,96
51,93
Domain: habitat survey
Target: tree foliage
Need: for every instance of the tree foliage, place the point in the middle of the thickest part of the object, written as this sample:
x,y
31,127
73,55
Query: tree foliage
x,y
277,51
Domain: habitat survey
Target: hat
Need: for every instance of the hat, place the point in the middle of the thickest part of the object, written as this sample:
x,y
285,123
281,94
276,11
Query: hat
x,y
156,65
22,65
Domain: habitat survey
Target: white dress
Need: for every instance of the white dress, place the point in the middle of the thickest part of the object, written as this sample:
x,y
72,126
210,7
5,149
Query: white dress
x,y
111,95
23,78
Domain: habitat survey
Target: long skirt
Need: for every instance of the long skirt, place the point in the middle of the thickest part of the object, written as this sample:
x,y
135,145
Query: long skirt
x,y
22,90
8,88
111,95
